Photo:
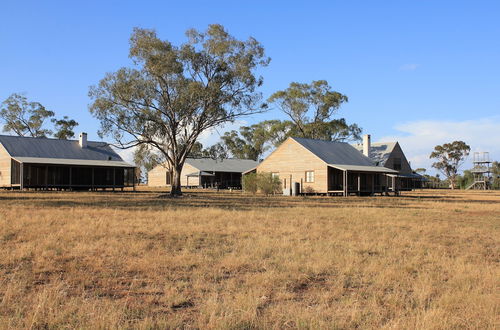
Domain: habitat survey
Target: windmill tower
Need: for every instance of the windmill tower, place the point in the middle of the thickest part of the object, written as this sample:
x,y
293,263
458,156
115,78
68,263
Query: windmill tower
x,y
481,171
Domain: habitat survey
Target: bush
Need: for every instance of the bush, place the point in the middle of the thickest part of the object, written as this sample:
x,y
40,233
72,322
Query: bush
x,y
309,190
250,183
268,184
263,182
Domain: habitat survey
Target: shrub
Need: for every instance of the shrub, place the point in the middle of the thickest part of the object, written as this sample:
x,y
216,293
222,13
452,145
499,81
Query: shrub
x,y
263,182
268,184
250,183
309,190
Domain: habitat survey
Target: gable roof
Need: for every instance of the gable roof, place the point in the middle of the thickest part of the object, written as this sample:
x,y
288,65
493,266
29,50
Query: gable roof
x,y
339,153
379,152
225,165
44,148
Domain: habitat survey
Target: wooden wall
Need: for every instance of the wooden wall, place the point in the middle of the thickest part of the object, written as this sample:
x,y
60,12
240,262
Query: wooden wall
x,y
292,160
397,152
5,161
157,177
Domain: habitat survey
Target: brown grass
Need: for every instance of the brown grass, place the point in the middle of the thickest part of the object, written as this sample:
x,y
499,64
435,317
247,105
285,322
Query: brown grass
x,y
427,260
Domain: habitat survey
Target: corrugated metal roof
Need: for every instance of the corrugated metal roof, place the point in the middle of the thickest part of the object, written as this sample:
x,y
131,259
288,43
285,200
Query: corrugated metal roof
x,y
224,165
197,174
335,152
379,152
62,161
18,146
357,168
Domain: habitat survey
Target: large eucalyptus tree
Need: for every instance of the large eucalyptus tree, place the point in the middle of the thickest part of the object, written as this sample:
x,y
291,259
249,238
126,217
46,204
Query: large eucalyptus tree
x,y
174,93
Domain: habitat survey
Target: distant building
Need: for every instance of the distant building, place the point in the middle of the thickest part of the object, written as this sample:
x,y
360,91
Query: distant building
x,y
204,173
390,155
326,167
41,163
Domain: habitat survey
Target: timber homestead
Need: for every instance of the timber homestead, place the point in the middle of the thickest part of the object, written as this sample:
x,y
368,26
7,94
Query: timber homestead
x,y
390,155
53,164
307,166
204,173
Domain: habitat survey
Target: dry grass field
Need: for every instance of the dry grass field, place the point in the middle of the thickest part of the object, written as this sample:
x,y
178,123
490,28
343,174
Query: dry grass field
x,y
426,260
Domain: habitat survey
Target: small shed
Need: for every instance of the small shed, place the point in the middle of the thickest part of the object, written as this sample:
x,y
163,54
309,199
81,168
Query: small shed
x,y
204,173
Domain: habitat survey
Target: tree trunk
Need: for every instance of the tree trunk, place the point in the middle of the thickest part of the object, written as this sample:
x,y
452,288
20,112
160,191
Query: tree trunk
x,y
452,181
176,181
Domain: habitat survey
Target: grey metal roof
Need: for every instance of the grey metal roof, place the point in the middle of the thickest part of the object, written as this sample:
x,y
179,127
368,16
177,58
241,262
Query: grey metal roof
x,y
62,161
224,165
202,173
357,168
379,152
18,146
339,153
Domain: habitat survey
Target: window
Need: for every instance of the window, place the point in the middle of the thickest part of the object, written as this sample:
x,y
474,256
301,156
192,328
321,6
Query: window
x,y
309,176
168,178
396,164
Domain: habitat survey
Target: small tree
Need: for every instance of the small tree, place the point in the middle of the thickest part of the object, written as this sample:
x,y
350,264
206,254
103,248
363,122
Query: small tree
x,y
495,171
25,118
250,183
268,184
175,93
450,156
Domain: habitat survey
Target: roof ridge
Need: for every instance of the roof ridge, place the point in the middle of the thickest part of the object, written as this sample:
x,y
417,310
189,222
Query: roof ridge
x,y
319,140
47,138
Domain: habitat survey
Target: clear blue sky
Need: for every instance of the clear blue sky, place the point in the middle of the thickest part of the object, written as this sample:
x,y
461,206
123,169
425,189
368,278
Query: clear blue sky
x,y
397,61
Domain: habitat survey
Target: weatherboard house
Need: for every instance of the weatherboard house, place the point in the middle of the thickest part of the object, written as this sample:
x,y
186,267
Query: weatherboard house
x,y
42,163
326,167
391,155
204,173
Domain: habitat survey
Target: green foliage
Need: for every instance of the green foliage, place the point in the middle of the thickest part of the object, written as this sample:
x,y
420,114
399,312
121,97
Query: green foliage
x,y
263,182
449,157
64,128
495,171
145,160
268,184
217,151
174,93
465,180
250,183
25,118
310,108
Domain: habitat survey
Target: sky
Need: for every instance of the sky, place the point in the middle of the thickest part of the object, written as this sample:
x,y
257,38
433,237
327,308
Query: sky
x,y
419,72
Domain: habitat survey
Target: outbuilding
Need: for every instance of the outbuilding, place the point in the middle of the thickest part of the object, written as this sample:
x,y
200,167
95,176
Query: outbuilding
x,y
204,173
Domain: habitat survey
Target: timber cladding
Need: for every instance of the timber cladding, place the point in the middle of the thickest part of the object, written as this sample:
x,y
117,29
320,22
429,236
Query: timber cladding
x,y
397,153
157,177
5,167
291,161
